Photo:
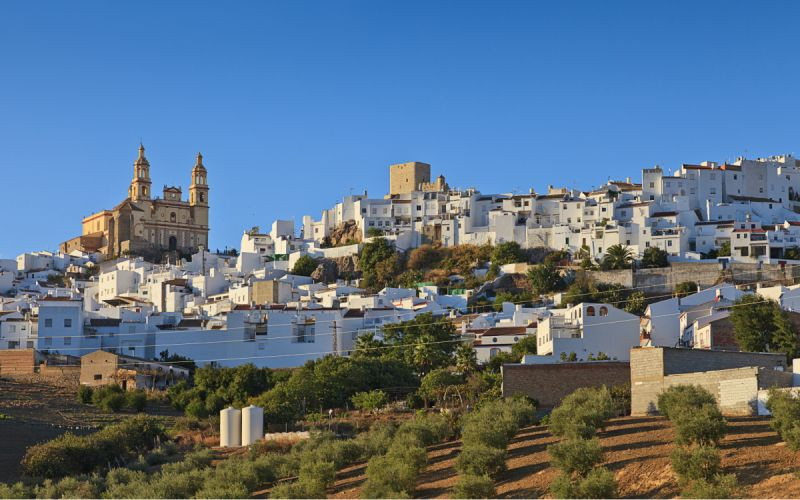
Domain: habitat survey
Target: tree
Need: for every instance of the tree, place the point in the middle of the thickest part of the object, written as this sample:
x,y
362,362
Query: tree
x,y
583,256
784,336
526,345
367,346
654,257
369,401
424,257
466,359
685,288
724,249
508,253
501,297
545,278
636,303
618,257
305,265
753,321
792,253
373,262
374,232
181,361
424,343
435,384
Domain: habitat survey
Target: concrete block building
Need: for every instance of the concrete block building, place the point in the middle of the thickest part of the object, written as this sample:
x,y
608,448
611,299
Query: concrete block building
x,y
734,378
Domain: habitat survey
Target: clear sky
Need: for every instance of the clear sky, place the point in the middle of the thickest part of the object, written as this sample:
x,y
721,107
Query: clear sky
x,y
294,104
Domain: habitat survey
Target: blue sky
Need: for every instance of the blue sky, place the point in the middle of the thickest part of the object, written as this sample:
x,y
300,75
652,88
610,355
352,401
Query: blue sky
x,y
293,104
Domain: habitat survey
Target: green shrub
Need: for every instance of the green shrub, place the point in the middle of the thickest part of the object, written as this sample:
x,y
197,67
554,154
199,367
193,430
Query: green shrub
x,y
377,440
683,396
599,483
112,402
369,401
621,399
482,433
170,484
785,410
581,413
429,429
479,459
576,456
472,486
136,400
703,426
85,394
70,487
388,478
70,455
16,490
126,483
702,462
721,486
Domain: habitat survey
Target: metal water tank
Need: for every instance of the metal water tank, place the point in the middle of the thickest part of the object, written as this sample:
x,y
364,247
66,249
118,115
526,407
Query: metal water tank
x,y
252,424
230,427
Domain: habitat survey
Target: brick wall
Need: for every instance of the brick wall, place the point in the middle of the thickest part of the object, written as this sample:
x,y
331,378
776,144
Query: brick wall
x,y
550,383
17,361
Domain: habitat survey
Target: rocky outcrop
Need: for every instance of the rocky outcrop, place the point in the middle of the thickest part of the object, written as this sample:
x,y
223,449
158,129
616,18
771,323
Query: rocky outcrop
x,y
345,233
327,271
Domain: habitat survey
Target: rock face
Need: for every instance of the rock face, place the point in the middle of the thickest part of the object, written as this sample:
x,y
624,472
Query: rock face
x,y
344,232
327,272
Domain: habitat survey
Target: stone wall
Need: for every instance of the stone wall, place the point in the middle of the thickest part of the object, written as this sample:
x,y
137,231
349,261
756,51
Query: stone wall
x,y
660,281
549,383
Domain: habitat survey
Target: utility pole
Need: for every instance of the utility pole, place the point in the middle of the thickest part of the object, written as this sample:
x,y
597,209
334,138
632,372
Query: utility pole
x,y
335,340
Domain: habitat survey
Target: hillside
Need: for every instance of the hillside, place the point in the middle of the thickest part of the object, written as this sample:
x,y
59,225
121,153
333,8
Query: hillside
x,y
637,451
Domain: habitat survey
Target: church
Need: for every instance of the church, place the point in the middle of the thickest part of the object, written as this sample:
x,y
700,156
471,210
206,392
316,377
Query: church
x,y
147,225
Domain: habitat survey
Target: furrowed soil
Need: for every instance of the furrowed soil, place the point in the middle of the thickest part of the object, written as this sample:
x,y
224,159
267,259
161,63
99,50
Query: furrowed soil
x,y
35,409
637,451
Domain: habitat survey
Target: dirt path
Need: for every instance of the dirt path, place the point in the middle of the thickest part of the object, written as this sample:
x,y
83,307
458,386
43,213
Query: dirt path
x,y
637,451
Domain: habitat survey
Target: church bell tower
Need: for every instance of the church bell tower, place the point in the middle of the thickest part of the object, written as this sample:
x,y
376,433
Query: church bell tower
x,y
139,189
198,192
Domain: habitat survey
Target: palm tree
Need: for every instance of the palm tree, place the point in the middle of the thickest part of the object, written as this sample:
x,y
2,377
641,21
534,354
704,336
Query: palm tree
x,y
618,257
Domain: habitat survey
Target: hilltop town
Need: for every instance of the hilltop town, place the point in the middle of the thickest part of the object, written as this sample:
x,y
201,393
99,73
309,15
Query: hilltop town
x,y
490,306
140,279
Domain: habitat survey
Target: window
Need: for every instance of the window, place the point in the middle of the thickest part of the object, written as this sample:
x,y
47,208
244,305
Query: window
x,y
172,217
67,323
603,311
590,311
48,323
12,328
98,376
652,185
669,243
67,340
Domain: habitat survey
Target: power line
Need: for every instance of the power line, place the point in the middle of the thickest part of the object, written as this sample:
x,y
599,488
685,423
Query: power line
x,y
398,313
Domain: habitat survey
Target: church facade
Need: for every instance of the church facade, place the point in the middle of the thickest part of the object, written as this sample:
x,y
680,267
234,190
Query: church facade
x,y
143,224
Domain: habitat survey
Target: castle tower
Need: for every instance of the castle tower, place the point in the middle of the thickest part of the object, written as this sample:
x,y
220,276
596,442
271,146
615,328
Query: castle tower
x,y
198,193
139,189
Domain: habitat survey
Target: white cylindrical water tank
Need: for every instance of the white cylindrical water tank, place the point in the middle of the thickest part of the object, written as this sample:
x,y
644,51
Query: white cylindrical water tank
x,y
230,427
252,424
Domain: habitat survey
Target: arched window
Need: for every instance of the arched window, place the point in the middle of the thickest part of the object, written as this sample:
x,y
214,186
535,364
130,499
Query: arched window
x,y
172,217
590,311
603,311
202,198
